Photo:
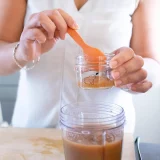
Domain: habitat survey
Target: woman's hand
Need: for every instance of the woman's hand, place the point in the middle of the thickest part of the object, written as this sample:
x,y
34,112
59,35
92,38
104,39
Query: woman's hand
x,y
41,33
127,69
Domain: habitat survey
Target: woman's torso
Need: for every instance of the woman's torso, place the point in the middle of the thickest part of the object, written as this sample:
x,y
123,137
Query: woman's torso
x,y
105,24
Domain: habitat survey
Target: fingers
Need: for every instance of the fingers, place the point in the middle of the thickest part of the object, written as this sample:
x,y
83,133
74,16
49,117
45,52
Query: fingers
x,y
29,36
62,21
35,35
69,20
133,65
123,55
59,22
53,21
127,69
57,34
141,87
42,20
134,77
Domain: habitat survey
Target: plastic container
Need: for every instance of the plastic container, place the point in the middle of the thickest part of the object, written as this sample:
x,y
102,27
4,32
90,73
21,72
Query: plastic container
x,y
92,131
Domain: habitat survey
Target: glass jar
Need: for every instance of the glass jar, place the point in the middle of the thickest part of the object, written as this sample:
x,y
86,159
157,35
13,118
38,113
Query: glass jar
x,y
92,131
94,72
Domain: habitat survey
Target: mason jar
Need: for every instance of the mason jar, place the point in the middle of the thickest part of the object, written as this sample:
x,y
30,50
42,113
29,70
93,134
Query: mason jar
x,y
94,72
92,131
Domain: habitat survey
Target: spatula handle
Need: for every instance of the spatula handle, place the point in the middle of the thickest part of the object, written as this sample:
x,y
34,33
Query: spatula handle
x,y
77,38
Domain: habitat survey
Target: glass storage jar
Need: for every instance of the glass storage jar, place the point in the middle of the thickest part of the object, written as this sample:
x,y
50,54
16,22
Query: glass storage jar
x,y
94,72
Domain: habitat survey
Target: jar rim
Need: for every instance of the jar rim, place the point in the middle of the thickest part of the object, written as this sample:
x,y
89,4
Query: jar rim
x,y
105,54
94,60
107,115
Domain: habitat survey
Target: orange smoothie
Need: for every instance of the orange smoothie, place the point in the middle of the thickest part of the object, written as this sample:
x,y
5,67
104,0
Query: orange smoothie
x,y
77,151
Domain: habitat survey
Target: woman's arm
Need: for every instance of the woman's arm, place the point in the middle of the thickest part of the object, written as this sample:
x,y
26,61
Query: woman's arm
x,y
138,66
12,14
38,36
146,29
146,41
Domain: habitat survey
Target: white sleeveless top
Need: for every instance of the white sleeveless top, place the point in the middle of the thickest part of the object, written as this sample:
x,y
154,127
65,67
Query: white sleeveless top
x,y
105,24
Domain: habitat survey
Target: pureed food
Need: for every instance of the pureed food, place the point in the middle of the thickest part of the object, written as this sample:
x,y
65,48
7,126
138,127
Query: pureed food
x,y
92,131
95,81
77,151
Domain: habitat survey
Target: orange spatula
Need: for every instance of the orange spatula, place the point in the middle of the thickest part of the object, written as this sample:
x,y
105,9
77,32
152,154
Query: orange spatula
x,y
88,50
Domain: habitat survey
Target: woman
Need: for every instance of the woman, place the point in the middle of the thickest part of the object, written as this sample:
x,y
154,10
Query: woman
x,y
105,24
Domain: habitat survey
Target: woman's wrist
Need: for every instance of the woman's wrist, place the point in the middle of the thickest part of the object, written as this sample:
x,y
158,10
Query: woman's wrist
x,y
153,71
23,64
153,74
18,57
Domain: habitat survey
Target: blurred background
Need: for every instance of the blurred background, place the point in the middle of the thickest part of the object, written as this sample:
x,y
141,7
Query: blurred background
x,y
147,108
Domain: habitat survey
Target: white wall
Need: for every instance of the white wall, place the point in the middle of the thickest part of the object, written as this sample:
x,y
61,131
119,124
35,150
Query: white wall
x,y
148,116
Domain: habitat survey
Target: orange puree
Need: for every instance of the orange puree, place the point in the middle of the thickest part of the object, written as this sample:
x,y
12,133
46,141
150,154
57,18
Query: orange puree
x,y
77,151
96,82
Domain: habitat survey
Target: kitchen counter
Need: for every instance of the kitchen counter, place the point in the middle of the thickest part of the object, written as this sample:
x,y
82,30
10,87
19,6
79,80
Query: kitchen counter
x,y
43,144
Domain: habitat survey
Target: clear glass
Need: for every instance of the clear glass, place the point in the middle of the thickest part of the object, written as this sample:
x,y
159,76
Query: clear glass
x,y
92,131
94,72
